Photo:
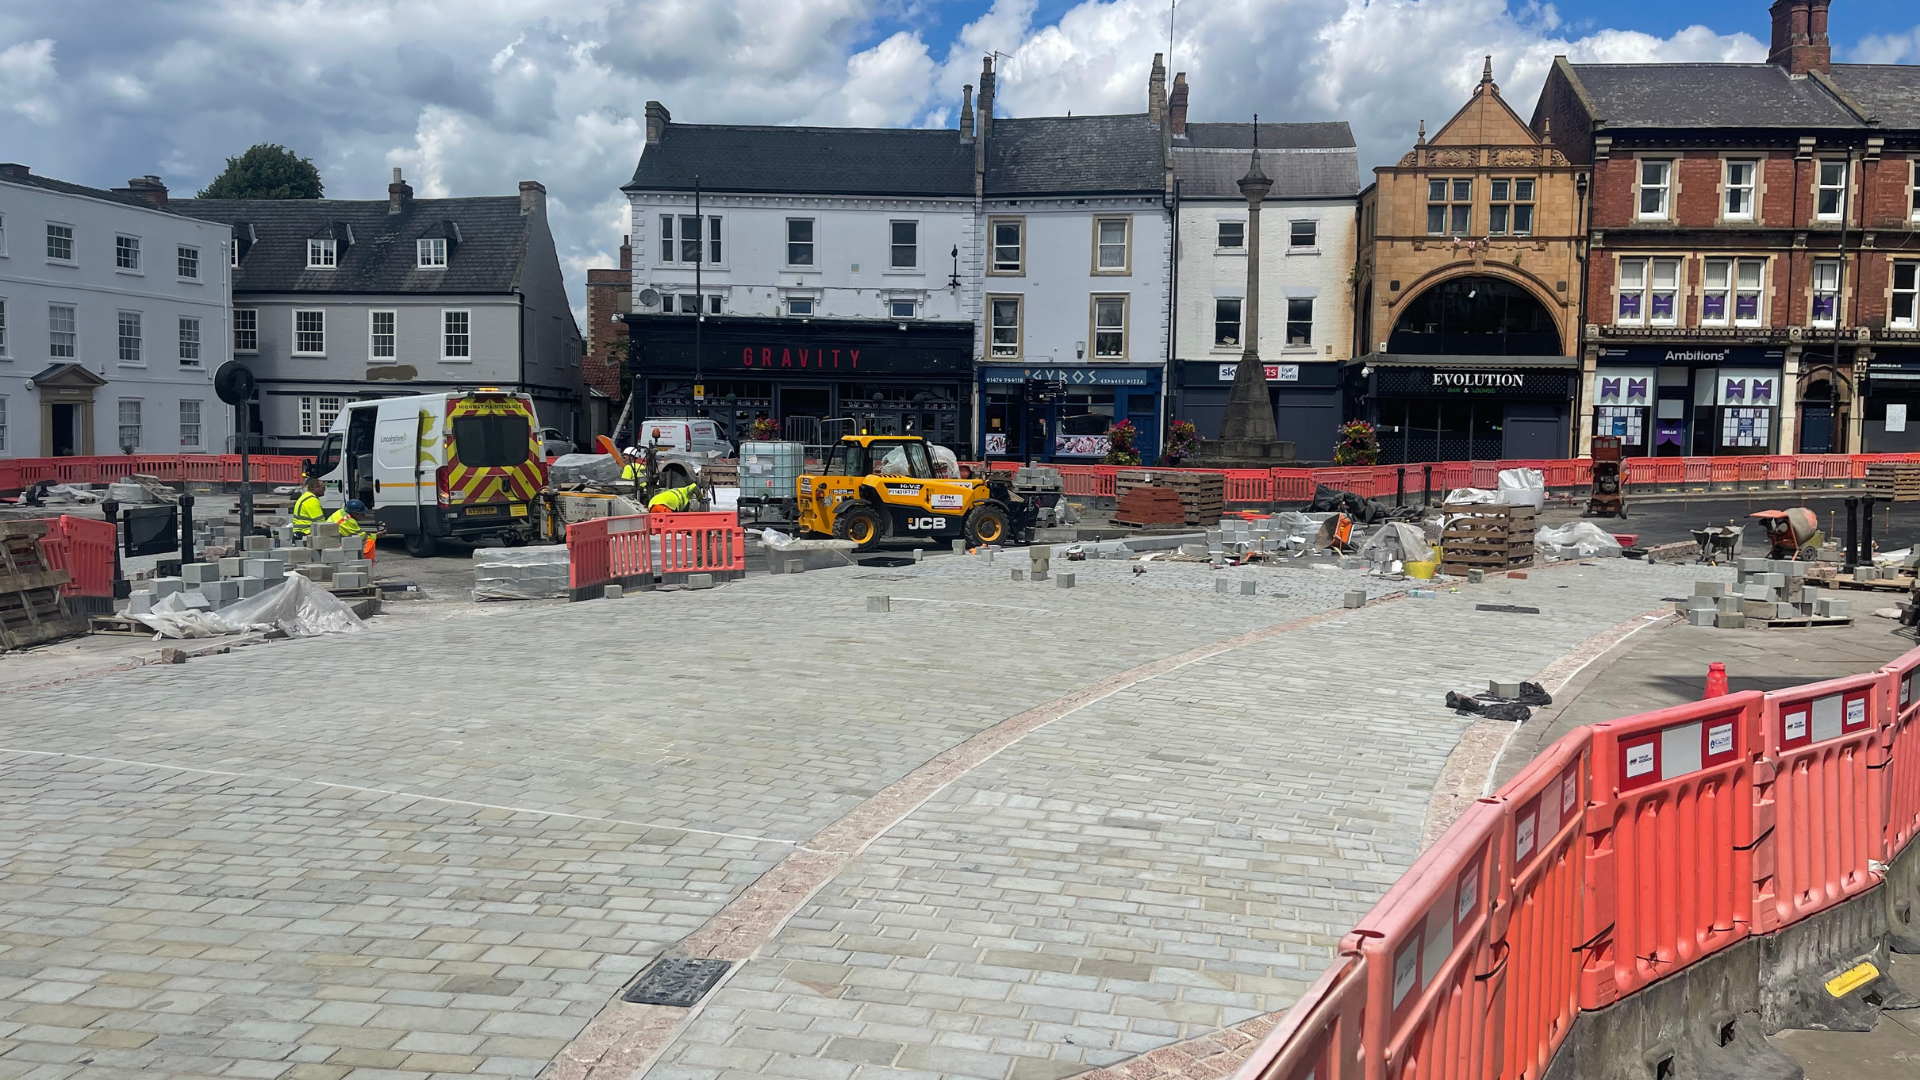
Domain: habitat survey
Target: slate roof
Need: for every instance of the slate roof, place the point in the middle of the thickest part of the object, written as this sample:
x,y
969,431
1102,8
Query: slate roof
x,y
48,183
1890,93
1322,134
1074,155
1709,96
807,160
486,259
1296,174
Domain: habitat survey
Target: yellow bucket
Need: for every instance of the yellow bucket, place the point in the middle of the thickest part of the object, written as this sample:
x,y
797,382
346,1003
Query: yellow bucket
x,y
1422,570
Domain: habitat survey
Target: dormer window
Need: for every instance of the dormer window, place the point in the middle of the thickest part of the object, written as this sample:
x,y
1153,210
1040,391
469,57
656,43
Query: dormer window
x,y
430,254
322,254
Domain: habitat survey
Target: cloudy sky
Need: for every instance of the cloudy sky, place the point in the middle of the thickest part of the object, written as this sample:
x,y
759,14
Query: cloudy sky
x,y
470,96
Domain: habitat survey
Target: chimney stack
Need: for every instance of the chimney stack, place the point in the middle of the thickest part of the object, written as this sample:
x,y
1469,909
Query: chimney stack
x,y
966,111
1800,36
1157,89
13,170
983,124
626,253
148,189
1177,105
533,198
399,193
657,120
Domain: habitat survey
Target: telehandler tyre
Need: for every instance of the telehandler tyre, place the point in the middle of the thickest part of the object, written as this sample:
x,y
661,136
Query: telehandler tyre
x,y
859,522
987,525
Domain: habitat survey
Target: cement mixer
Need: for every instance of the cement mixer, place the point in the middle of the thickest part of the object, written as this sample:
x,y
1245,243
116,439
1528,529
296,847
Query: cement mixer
x,y
1790,531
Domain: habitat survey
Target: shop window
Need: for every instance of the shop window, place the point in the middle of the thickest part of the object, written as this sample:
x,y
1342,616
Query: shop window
x,y
1510,207
1831,191
1226,322
1006,325
1904,314
1656,187
1826,292
1740,190
1232,236
1449,207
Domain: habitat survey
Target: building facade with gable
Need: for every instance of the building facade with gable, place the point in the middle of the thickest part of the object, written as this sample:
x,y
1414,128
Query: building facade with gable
x,y
1467,291
113,313
1754,281
342,300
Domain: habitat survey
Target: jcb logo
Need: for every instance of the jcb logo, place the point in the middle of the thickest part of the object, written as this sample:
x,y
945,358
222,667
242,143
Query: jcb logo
x,y
927,524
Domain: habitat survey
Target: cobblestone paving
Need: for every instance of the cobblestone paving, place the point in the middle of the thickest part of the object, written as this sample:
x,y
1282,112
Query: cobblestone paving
x,y
1181,856
440,851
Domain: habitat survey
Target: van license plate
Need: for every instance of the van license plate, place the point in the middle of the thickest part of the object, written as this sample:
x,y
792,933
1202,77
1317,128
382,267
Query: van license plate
x,y
482,511
517,510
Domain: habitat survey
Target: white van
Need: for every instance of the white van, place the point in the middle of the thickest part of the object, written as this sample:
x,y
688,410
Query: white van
x,y
688,436
465,465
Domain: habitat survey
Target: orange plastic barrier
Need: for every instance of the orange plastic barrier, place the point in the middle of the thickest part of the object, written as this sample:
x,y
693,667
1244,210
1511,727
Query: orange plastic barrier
x,y
699,543
1319,1037
1544,889
1433,973
1818,785
1247,486
601,551
1669,842
1900,739
18,473
83,547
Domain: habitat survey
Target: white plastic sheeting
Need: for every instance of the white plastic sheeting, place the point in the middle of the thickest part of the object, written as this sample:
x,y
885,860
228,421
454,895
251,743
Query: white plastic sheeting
x,y
583,469
296,607
1576,539
1523,487
1397,541
524,573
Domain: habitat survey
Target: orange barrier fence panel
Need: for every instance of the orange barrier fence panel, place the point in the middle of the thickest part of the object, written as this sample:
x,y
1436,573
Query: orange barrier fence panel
x,y
1319,1037
1486,474
1826,805
1669,842
1669,472
603,550
1292,485
1697,471
1246,486
1639,471
1544,860
1434,980
88,555
1900,741
12,476
698,542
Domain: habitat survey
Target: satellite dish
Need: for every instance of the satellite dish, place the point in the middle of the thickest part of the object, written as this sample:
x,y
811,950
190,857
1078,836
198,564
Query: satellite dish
x,y
233,383
649,298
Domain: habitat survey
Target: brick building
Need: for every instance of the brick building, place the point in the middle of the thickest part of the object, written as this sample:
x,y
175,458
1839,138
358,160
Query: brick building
x,y
609,296
1466,291
1751,284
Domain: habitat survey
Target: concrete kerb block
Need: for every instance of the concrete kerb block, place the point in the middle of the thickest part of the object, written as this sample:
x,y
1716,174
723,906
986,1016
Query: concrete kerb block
x,y
251,586
1476,577
233,567
140,603
612,592
1019,575
1505,688
1701,616
1356,598
919,553
166,586
1222,586
700,581
959,547
1729,620
1709,588
1064,581
198,573
259,543
882,603
1249,587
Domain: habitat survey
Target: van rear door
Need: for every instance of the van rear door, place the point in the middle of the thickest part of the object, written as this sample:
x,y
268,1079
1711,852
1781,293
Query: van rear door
x,y
494,468
396,453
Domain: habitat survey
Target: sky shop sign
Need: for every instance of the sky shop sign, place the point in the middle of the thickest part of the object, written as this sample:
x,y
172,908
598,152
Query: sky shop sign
x,y
1274,372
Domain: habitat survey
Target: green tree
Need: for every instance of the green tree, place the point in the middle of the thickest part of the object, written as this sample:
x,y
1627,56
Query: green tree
x,y
266,171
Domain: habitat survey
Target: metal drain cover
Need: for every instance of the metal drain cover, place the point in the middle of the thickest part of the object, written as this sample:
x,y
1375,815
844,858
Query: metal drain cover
x,y
885,561
678,981
1510,609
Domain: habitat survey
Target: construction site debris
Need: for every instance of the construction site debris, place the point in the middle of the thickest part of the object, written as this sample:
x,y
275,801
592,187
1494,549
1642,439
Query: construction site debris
x,y
1364,511
295,607
1396,541
32,611
1576,540
1491,536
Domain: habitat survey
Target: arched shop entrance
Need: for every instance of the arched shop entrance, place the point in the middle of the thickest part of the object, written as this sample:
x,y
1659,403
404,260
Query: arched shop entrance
x,y
1473,370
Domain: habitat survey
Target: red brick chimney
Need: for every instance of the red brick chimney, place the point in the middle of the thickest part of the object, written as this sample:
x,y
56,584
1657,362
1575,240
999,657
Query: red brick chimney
x,y
1157,90
1177,104
1800,36
626,253
148,189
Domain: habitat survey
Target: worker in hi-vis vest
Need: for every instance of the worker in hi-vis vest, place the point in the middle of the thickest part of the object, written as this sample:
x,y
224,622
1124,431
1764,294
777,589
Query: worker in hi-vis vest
x,y
307,508
674,500
349,524
635,469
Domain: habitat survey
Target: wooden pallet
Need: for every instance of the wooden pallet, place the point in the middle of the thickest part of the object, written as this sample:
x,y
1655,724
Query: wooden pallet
x,y
32,611
1899,584
1900,481
1804,620
1483,537
1202,494
118,624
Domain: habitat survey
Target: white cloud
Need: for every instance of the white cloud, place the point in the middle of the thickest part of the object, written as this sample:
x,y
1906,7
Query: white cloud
x,y
1888,48
471,96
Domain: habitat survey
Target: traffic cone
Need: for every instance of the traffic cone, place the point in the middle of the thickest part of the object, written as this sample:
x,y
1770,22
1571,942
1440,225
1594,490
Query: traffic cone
x,y
1716,680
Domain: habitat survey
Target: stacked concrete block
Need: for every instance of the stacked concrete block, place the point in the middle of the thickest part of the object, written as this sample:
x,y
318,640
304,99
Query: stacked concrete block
x,y
1757,589
1832,607
348,580
1729,620
198,573
299,556
252,586
266,569
232,567
315,572
222,592
335,556
1702,616
259,543
140,603
165,586
1728,605
195,600
1709,588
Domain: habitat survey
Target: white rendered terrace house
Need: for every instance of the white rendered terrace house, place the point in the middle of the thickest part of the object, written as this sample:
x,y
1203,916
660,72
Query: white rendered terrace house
x,y
1076,251
340,300
113,314
1307,235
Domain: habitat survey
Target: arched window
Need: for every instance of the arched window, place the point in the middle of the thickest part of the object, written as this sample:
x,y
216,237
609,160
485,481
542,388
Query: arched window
x,y
1475,316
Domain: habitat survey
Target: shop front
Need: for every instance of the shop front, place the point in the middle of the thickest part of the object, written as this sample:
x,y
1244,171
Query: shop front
x,y
815,378
1684,400
1459,408
1306,401
1890,423
1064,413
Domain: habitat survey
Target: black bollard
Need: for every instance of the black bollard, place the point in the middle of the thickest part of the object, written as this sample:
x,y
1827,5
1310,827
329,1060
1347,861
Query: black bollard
x,y
1400,488
1866,529
1853,535
1426,486
186,528
121,587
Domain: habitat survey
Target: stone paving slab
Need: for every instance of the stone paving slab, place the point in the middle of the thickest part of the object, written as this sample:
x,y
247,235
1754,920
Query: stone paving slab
x,y
1179,857
441,851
